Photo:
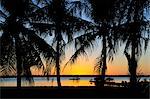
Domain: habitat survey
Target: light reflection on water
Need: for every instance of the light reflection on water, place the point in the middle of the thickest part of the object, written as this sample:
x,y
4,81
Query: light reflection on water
x,y
65,81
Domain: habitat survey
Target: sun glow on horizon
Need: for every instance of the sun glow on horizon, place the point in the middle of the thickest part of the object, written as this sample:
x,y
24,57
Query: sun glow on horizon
x,y
85,66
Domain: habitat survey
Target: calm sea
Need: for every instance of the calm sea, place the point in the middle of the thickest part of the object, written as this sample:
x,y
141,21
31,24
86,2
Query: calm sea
x,y
66,81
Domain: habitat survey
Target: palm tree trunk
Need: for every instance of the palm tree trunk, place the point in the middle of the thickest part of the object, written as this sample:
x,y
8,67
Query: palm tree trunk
x,y
58,66
132,69
58,33
104,60
134,44
132,64
19,62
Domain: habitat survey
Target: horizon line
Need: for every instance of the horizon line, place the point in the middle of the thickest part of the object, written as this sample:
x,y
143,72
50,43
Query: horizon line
x,y
13,76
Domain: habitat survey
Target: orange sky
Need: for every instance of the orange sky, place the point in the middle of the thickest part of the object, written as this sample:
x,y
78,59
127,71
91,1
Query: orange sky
x,y
119,66
85,65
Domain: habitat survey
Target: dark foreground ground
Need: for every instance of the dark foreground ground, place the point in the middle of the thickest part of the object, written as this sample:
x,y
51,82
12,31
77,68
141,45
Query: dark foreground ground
x,y
71,92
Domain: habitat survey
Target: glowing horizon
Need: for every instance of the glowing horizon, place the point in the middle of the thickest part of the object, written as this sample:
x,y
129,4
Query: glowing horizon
x,y
119,66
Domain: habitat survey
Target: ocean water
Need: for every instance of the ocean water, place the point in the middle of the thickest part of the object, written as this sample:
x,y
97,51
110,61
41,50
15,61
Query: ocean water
x,y
66,81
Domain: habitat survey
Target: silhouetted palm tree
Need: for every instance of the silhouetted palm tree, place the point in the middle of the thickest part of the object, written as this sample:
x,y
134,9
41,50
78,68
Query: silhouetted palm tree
x,y
20,45
109,14
135,35
105,17
59,20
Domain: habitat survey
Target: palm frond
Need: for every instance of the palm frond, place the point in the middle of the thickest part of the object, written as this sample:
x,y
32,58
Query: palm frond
x,y
80,51
3,15
82,43
43,28
78,7
44,48
31,55
7,57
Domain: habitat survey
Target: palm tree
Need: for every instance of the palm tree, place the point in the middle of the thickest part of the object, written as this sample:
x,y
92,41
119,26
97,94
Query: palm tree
x,y
136,34
105,16
59,21
20,45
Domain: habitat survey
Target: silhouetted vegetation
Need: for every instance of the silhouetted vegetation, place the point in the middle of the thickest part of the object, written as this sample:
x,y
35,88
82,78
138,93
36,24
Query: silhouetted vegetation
x,y
25,23
20,46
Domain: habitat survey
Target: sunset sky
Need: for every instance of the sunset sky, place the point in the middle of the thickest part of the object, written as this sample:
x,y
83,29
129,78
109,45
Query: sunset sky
x,y
85,64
